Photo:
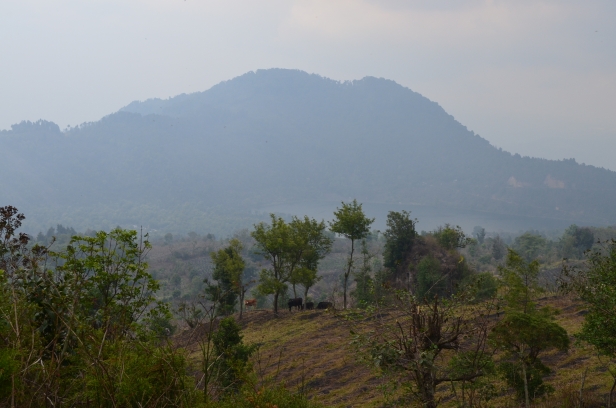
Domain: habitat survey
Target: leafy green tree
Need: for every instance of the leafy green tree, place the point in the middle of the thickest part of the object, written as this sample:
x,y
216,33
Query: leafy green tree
x,y
363,294
87,330
228,270
451,237
350,222
575,241
113,271
287,246
525,331
595,284
319,244
233,355
305,277
523,337
430,281
399,238
529,246
499,249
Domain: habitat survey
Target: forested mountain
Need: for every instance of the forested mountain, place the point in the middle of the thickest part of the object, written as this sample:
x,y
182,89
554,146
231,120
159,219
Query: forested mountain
x,y
206,160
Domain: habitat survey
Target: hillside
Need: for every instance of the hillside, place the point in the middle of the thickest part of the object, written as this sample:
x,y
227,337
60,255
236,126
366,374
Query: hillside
x,y
213,161
311,351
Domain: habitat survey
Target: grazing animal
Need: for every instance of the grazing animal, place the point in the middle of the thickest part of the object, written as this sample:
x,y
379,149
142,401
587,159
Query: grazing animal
x,y
309,305
297,302
324,305
250,302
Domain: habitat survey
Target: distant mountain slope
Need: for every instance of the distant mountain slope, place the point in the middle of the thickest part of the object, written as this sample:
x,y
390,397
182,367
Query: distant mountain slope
x,y
282,136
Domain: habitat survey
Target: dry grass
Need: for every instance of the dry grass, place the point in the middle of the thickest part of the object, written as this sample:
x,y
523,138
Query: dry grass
x,y
310,350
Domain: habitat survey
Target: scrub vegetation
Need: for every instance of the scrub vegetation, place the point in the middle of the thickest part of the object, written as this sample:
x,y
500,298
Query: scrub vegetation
x,y
339,316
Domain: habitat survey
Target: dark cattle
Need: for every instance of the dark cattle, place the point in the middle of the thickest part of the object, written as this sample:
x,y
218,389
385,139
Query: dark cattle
x,y
295,303
324,305
309,305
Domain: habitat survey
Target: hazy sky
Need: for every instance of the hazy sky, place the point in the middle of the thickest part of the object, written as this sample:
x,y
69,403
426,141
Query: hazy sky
x,y
533,77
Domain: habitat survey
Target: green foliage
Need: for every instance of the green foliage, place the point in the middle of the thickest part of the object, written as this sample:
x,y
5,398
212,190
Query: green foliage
x,y
228,270
480,286
524,336
535,372
88,331
288,247
430,280
499,249
429,343
350,222
525,332
135,374
451,237
595,283
529,246
520,279
575,241
111,274
399,237
363,294
232,361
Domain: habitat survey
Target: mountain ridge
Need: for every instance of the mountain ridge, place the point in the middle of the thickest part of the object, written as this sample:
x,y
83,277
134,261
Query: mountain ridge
x,y
283,136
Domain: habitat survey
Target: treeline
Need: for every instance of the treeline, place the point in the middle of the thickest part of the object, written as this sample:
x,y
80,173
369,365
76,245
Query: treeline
x,y
85,325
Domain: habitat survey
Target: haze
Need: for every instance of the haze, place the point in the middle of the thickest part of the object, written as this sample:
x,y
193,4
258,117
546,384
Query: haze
x,y
536,78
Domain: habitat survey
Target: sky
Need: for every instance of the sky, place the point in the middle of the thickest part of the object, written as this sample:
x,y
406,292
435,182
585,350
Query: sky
x,y
532,77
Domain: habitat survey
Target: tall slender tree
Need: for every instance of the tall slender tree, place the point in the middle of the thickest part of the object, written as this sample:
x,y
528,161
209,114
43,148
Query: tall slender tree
x,y
228,270
350,222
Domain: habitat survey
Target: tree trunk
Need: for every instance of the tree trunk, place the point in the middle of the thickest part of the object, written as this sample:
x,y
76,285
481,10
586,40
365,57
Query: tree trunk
x,y
276,302
609,401
306,293
348,272
294,292
242,293
526,398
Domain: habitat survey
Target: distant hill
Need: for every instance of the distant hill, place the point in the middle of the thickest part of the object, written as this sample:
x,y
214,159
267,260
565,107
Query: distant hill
x,y
206,161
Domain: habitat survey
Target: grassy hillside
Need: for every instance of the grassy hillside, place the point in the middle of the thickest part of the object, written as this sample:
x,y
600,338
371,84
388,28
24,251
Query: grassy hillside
x,y
310,351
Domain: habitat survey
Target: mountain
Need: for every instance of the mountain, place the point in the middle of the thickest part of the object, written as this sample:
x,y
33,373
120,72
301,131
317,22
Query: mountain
x,y
274,138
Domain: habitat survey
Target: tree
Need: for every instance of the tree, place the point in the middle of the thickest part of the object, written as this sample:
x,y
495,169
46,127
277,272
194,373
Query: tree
x,y
232,355
525,331
364,289
399,238
82,325
427,344
499,248
350,222
575,241
451,237
595,284
479,233
430,280
287,246
228,270
529,245
319,244
305,277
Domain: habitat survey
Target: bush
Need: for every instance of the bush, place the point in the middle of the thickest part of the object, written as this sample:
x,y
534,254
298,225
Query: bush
x,y
430,281
133,374
482,286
